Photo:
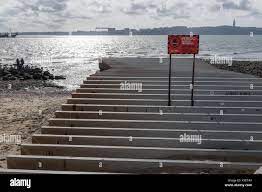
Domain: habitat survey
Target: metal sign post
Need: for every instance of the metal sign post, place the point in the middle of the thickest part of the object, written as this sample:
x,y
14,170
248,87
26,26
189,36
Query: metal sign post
x,y
193,81
169,85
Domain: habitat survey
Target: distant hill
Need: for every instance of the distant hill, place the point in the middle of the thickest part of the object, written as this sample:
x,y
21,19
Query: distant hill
x,y
220,30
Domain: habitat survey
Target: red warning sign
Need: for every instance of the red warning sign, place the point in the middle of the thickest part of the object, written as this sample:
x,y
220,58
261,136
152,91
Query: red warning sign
x,y
183,44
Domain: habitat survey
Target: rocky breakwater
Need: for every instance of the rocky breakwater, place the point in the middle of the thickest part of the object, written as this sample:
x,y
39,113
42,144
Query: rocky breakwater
x,y
247,67
13,73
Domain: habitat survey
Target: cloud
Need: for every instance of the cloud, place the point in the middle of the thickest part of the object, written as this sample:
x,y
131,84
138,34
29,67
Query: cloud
x,y
241,5
46,15
138,8
178,10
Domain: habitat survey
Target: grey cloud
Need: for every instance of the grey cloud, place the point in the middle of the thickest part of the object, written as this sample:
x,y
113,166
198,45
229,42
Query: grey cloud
x,y
138,8
242,5
100,7
173,11
159,10
36,12
69,15
49,5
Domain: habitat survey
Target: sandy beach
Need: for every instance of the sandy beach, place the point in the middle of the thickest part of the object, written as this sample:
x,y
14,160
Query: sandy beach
x,y
24,109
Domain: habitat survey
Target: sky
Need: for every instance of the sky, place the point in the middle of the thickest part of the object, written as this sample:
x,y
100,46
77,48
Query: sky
x,y
72,15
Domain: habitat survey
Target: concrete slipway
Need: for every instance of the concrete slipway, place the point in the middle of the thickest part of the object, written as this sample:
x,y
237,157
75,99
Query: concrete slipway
x,y
107,128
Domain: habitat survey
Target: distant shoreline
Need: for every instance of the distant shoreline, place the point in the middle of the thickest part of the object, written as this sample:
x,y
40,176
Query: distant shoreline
x,y
218,30
128,35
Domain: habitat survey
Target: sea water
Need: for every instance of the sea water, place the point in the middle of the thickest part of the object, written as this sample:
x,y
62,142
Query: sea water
x,y
76,57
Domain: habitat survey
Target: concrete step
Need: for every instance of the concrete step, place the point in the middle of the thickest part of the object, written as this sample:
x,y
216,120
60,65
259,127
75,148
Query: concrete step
x,y
174,78
176,91
125,165
164,96
163,102
174,86
162,73
165,82
200,142
165,109
141,152
153,132
116,123
27,171
159,116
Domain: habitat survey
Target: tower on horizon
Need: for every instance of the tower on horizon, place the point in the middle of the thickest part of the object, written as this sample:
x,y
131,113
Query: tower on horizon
x,y
234,23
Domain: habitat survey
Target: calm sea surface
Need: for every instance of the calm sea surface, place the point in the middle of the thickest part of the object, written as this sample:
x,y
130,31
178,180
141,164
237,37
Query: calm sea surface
x,y
76,57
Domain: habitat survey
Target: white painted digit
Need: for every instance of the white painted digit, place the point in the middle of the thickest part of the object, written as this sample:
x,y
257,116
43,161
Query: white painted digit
x,y
191,86
160,60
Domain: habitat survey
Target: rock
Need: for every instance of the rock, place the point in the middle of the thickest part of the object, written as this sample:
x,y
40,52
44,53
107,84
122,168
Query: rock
x,y
5,72
45,78
12,78
37,76
60,78
104,66
26,73
46,73
51,77
27,76
38,70
5,78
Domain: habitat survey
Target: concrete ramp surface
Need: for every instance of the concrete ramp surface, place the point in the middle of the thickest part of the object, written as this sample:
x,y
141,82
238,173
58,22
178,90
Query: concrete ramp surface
x,y
118,121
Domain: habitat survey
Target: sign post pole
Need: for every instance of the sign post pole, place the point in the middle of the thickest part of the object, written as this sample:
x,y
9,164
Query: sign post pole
x,y
183,44
169,85
193,82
